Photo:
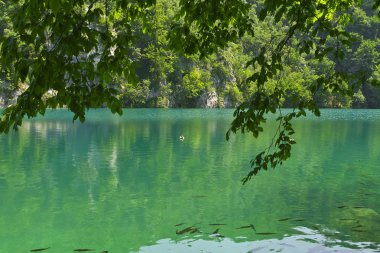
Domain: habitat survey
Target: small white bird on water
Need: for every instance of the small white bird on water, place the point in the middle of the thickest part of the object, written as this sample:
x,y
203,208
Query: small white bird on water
x,y
181,137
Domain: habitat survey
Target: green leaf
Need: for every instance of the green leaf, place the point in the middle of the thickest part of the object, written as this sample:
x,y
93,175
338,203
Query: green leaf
x,y
55,5
263,14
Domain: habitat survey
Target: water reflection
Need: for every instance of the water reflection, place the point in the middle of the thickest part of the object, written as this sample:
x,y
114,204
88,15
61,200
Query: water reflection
x,y
124,183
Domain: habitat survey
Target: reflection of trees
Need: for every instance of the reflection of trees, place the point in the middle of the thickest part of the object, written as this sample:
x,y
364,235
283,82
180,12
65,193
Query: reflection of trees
x,y
337,165
133,179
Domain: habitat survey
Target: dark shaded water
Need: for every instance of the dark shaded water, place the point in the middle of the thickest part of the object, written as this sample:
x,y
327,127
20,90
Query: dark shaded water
x,y
123,184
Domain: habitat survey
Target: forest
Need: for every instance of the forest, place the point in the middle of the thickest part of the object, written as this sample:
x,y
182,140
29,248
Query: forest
x,y
166,78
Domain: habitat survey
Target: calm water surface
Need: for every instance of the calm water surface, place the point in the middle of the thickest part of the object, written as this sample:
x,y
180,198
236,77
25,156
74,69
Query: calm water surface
x,y
128,184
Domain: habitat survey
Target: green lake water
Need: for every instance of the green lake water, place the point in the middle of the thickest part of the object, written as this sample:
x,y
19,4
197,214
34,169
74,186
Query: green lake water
x,y
128,184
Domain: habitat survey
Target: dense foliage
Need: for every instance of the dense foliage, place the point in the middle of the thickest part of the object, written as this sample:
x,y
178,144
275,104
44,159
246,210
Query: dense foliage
x,y
165,78
257,55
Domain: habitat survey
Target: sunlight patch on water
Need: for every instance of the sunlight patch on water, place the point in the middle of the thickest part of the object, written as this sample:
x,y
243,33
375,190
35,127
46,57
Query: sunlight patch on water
x,y
311,241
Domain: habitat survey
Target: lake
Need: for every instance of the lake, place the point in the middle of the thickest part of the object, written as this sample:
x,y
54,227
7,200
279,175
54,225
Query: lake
x,y
128,184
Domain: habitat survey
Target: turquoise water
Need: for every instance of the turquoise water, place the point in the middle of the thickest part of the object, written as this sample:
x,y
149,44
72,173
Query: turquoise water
x,y
128,184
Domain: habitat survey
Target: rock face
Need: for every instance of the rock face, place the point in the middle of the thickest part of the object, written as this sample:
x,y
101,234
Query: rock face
x,y
8,96
208,100
2,102
227,102
5,100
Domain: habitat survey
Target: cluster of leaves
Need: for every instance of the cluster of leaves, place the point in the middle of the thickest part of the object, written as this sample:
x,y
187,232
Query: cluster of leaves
x,y
68,52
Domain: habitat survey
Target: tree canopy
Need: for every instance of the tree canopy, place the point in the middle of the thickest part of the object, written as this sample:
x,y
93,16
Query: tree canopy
x,y
74,53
